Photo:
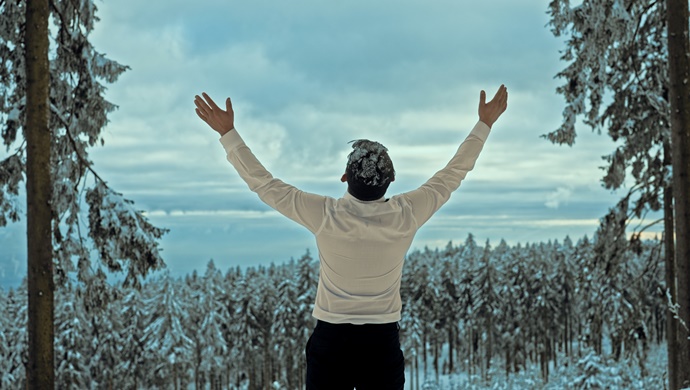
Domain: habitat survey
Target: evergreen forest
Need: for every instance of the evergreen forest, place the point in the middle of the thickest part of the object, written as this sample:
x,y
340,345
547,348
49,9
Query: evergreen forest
x,y
486,311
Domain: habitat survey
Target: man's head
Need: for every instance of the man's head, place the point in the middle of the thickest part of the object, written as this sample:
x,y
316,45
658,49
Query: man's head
x,y
369,170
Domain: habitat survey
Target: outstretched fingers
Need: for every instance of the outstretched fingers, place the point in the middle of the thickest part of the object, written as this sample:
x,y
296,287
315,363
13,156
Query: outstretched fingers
x,y
501,97
210,101
202,106
500,93
202,116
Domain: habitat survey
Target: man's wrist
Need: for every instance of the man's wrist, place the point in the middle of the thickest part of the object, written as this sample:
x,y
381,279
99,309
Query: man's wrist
x,y
223,132
484,121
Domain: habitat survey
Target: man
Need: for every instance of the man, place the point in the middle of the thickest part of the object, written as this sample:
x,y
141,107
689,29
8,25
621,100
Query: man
x,y
362,240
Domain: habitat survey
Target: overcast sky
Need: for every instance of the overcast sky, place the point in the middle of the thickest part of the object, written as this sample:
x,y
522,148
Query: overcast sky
x,y
308,76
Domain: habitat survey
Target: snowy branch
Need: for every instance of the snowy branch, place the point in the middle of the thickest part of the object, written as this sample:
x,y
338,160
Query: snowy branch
x,y
84,162
675,308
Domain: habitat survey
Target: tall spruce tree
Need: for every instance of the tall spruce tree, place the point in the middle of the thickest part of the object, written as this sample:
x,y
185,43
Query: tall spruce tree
x,y
39,190
77,111
52,109
679,73
620,49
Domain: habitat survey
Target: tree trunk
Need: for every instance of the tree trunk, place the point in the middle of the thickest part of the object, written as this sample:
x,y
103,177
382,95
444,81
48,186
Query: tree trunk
x,y
415,372
266,369
416,365
290,371
489,345
436,357
670,268
508,361
413,358
451,343
470,352
424,342
175,377
457,348
679,74
554,348
40,370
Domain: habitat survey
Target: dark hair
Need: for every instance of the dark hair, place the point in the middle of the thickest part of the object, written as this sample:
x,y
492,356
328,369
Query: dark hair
x,y
369,170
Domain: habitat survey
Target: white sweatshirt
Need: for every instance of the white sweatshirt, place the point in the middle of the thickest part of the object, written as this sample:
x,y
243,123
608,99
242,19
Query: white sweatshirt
x,y
362,245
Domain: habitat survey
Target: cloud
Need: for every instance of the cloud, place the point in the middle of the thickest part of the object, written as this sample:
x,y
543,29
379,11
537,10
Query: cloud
x,y
557,197
308,78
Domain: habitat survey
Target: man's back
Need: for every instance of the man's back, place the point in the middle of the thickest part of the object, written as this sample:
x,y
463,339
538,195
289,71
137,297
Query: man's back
x,y
362,246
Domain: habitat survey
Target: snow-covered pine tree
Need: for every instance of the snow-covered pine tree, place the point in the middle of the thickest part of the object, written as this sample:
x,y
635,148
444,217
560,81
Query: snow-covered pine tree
x,y
543,305
262,310
617,47
411,339
107,340
642,287
166,337
620,49
582,254
17,314
73,349
564,280
590,304
242,331
426,295
286,331
470,253
411,327
118,234
232,284
252,323
39,194
608,271
5,376
505,310
485,302
449,296
135,356
307,280
677,17
594,372
207,332
192,322
515,296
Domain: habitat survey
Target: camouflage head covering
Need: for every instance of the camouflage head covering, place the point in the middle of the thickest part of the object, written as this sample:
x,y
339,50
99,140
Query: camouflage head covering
x,y
369,170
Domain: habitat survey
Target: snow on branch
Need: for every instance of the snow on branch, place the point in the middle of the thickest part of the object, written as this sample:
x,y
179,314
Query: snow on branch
x,y
120,233
675,308
11,170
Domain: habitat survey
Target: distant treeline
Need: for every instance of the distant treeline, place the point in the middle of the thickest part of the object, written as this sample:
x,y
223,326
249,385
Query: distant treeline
x,y
489,309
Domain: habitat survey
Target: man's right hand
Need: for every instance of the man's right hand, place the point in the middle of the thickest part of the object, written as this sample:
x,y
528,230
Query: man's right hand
x,y
219,120
489,112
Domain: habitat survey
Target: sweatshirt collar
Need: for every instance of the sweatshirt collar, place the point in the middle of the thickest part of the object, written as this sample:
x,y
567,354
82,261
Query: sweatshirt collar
x,y
348,195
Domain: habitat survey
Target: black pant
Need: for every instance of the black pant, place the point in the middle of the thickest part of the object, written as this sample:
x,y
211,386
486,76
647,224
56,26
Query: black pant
x,y
347,356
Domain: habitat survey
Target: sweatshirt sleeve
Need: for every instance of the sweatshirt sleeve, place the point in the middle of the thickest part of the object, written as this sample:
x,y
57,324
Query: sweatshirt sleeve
x,y
428,198
302,207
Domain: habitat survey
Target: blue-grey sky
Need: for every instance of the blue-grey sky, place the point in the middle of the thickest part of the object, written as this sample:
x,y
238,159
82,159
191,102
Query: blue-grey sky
x,y
308,76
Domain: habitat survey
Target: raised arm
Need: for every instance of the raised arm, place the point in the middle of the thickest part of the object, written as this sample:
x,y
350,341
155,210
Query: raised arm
x,y
428,198
302,207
